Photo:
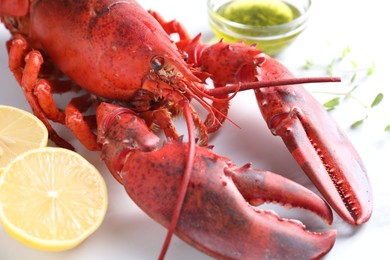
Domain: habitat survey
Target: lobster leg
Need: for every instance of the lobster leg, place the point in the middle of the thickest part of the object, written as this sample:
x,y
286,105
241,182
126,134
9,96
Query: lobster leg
x,y
213,123
171,27
43,93
164,121
175,98
27,75
80,125
39,93
317,144
215,216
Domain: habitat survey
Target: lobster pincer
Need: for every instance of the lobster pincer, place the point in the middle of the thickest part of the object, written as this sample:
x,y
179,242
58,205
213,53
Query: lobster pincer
x,y
217,216
317,143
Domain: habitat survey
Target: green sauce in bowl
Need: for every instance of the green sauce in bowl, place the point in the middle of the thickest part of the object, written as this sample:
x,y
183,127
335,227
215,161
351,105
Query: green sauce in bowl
x,y
259,12
271,24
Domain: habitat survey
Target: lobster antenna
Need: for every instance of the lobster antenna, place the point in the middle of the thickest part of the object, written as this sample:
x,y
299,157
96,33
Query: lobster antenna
x,y
204,93
209,108
185,179
232,88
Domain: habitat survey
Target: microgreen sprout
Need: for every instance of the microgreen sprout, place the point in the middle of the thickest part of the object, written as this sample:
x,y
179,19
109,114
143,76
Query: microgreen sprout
x,y
309,63
378,99
345,51
332,104
357,123
371,69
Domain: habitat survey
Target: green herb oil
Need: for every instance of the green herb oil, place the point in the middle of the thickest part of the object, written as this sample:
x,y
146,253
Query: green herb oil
x,y
262,14
259,12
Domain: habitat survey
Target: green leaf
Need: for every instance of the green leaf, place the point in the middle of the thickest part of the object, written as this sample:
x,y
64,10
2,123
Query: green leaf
x,y
387,128
329,70
309,63
353,78
358,123
354,64
345,52
377,100
371,70
330,67
331,104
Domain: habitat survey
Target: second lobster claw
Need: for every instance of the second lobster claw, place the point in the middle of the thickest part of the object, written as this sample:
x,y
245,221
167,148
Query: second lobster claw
x,y
217,216
317,143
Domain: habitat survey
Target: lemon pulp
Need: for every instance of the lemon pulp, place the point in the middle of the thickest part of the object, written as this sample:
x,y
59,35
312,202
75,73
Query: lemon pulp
x,y
52,198
20,131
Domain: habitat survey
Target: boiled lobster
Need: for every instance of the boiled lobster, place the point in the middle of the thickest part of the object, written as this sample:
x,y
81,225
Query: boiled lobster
x,y
139,79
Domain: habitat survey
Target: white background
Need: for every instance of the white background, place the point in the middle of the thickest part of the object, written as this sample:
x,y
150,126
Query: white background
x,y
127,233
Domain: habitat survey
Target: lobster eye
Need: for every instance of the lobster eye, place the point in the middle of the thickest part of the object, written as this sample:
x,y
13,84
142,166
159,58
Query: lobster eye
x,y
185,56
157,63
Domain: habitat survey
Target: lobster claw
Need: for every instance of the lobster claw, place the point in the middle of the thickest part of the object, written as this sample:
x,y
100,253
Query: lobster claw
x,y
319,146
215,217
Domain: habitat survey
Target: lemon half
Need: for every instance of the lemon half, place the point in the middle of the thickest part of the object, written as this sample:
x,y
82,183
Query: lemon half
x,y
20,131
52,198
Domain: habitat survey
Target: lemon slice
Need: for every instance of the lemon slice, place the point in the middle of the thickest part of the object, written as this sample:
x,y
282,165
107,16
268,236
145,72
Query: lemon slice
x,y
51,198
20,131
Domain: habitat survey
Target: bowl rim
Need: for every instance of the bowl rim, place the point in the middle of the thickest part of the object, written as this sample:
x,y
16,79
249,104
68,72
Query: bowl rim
x,y
297,21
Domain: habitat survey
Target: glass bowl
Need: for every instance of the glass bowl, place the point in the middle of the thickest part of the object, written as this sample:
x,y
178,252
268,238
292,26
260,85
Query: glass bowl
x,y
272,29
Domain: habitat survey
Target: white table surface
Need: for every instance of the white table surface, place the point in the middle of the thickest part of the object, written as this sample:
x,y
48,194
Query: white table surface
x,y
127,233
